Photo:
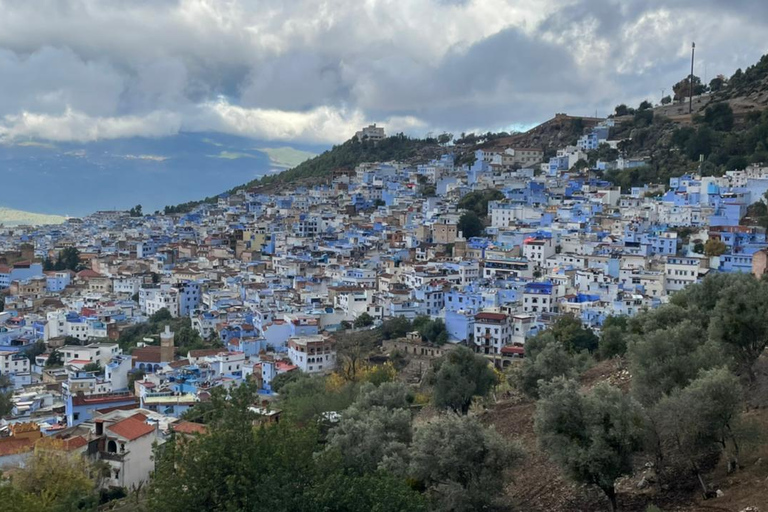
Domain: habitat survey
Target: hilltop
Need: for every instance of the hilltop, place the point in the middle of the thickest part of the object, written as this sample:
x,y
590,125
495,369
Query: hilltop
x,y
727,126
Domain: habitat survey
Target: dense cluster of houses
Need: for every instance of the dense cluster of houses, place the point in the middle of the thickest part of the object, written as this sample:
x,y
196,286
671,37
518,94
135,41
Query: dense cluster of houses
x,y
269,276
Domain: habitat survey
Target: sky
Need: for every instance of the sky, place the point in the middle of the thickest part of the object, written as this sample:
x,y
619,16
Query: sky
x,y
314,71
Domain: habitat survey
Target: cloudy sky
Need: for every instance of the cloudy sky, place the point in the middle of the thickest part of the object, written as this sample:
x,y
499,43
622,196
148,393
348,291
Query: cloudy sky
x,y
313,71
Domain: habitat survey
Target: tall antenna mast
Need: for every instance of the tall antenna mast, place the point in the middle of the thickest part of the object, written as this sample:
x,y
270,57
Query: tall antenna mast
x,y
690,98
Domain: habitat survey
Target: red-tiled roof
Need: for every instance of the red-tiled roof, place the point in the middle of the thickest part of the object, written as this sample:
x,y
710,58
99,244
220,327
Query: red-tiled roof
x,y
73,443
146,355
490,316
12,445
102,399
206,352
513,350
285,367
187,427
88,273
131,428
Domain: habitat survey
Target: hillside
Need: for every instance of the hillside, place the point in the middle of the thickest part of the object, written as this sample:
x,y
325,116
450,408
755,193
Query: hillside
x,y
541,486
10,217
343,157
728,128
557,132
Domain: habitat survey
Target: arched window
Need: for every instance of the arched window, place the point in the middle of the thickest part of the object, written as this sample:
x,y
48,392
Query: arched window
x,y
111,446
141,366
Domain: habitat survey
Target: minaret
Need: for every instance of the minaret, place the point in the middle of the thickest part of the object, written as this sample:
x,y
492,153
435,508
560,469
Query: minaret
x,y
166,345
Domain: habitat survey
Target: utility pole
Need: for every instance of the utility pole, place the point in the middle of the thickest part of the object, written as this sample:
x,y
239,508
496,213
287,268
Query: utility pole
x,y
690,98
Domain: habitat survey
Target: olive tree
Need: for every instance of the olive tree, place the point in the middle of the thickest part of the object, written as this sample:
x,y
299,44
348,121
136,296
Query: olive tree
x,y
461,463
592,436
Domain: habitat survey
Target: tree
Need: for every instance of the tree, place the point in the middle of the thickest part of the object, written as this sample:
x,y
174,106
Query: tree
x,y
569,331
623,110
717,84
613,342
719,117
461,463
37,349
93,367
52,477
284,378
666,100
161,315
282,467
459,376
546,359
739,322
470,225
433,331
669,358
307,398
714,247
364,320
133,377
135,211
580,165
477,201
54,360
737,163
6,395
396,327
697,421
444,138
353,350
375,431
682,89
591,436
68,259
645,105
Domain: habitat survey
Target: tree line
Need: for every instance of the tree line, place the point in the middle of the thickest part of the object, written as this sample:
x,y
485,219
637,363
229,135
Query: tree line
x,y
691,363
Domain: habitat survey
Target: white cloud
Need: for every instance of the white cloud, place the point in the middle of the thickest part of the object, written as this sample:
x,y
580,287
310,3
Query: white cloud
x,y
313,71
321,125
77,126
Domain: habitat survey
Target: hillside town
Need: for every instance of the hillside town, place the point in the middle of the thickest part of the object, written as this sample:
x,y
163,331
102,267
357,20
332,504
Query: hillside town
x,y
493,251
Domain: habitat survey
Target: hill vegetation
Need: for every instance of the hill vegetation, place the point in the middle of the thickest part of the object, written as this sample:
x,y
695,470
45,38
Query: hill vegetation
x,y
727,131
343,157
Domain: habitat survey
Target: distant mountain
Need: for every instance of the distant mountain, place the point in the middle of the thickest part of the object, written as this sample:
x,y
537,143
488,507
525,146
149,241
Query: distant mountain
x,y
10,217
76,179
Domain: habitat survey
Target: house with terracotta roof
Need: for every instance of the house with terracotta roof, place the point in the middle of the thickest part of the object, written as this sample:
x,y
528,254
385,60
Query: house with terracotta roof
x,y
125,443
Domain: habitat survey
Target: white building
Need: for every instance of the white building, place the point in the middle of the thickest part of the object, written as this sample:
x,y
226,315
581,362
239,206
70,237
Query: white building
x,y
13,362
371,132
312,354
492,332
679,272
538,250
80,356
126,447
153,299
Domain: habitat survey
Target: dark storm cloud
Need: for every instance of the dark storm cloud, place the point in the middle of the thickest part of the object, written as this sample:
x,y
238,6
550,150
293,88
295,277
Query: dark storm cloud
x,y
315,70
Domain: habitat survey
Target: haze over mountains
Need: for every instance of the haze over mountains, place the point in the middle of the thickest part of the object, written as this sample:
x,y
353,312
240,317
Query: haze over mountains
x,y
75,179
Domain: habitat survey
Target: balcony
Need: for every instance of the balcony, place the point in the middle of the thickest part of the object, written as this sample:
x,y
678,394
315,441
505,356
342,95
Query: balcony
x,y
117,457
